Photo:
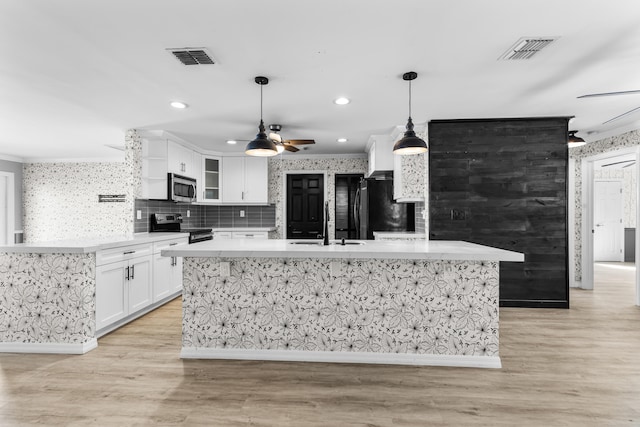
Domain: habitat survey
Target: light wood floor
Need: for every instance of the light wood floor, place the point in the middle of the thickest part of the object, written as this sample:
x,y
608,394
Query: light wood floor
x,y
577,367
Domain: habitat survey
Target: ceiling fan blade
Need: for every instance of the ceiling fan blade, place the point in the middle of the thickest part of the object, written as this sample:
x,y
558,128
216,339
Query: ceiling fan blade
x,y
630,164
290,148
299,141
624,92
617,163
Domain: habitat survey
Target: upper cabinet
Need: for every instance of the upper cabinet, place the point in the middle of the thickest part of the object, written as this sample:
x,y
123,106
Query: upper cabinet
x,y
245,180
211,171
160,156
181,160
410,178
380,154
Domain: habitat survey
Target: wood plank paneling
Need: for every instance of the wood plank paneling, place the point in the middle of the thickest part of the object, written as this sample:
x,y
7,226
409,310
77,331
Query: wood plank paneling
x,y
502,183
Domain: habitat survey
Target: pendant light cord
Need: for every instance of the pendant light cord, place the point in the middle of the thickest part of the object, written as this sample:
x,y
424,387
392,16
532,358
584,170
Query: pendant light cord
x,y
409,98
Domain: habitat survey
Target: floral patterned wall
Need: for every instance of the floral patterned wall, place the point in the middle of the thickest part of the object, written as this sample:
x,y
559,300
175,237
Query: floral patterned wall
x,y
47,298
629,139
403,306
279,165
61,201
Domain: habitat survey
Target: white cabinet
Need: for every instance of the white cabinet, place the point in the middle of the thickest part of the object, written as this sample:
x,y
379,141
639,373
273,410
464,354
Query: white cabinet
x,y
123,283
211,171
180,160
258,235
167,271
244,234
410,178
245,180
219,235
380,154
160,156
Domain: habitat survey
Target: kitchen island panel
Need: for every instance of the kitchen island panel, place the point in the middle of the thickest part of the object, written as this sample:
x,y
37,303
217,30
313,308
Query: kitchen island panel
x,y
342,310
48,302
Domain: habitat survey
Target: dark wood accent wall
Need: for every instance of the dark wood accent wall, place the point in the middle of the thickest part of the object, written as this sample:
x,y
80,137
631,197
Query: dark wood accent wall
x,y
502,183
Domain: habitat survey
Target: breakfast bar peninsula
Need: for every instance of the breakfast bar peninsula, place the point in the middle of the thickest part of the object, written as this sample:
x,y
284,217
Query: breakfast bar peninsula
x,y
417,302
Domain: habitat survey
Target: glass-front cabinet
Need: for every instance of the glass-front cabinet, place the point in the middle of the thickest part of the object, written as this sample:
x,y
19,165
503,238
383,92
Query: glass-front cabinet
x,y
211,179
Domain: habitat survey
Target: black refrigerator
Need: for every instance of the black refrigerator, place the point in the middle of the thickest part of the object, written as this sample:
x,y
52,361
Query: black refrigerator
x,y
375,209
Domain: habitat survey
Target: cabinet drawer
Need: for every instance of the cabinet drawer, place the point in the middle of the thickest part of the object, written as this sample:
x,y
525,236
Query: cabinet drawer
x,y
250,235
122,253
166,244
222,235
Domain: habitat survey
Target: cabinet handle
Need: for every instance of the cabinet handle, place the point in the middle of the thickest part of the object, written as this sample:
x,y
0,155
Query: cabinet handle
x,y
129,252
132,271
172,244
127,276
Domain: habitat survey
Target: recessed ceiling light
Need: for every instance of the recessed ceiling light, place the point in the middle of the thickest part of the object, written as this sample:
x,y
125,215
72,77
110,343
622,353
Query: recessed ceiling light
x,y
342,139
342,101
231,141
178,104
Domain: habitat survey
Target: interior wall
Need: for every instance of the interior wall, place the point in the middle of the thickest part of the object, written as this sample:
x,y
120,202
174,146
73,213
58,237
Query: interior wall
x,y
503,183
16,169
61,201
606,145
278,165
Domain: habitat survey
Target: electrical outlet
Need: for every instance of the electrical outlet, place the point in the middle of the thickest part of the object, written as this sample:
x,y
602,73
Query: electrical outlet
x,y
335,268
225,269
241,214
138,214
188,213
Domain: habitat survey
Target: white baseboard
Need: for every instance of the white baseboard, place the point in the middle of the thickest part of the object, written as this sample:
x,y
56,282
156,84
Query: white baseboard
x,y
48,348
343,357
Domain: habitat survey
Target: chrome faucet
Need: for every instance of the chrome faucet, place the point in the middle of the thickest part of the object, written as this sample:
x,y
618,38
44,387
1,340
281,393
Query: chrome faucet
x,y
326,224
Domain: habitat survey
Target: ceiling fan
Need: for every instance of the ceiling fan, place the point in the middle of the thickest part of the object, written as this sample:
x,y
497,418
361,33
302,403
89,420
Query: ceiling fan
x,y
287,144
623,92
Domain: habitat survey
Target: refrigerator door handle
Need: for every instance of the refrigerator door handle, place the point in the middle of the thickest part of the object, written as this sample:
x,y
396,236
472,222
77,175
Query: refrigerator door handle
x,y
356,212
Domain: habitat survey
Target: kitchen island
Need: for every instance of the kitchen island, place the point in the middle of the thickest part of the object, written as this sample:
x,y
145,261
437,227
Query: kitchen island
x,y
416,302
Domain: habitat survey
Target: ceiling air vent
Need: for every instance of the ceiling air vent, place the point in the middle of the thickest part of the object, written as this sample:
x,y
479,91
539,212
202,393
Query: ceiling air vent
x,y
526,47
192,56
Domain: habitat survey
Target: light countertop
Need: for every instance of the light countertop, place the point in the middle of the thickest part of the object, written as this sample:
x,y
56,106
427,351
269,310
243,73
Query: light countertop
x,y
89,245
371,249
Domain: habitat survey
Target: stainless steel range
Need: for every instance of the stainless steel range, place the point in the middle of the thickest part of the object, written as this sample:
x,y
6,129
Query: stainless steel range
x,y
172,222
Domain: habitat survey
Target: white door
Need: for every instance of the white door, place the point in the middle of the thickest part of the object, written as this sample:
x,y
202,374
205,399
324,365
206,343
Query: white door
x,y
607,221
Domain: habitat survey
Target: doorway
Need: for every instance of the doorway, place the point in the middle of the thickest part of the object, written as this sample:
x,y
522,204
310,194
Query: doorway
x,y
622,165
346,189
6,208
305,205
607,218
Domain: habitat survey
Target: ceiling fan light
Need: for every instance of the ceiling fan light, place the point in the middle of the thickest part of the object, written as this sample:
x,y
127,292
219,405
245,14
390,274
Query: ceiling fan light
x,y
261,146
275,137
279,148
410,143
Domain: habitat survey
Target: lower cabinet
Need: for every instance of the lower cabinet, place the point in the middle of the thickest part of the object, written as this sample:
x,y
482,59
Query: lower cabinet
x,y
122,288
167,271
132,280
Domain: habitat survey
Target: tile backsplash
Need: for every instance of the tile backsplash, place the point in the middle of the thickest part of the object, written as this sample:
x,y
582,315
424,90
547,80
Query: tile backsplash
x,y
204,215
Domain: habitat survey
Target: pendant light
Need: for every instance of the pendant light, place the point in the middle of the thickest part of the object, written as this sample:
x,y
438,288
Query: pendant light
x,y
410,143
261,146
573,140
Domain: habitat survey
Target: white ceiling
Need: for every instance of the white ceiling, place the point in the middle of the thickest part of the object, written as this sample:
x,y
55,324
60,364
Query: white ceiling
x,y
74,74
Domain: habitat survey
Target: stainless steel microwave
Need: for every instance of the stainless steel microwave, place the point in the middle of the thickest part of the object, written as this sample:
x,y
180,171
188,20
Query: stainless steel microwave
x,y
182,188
